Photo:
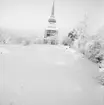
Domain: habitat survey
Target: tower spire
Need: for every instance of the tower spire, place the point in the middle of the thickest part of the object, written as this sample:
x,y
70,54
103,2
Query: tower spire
x,y
52,17
52,12
51,31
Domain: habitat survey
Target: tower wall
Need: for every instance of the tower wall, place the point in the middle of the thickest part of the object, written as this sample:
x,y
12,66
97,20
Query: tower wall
x,y
51,31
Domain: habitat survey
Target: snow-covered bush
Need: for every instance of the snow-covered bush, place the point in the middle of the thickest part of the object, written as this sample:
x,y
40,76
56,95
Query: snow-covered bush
x,y
26,42
100,79
67,41
45,41
39,41
79,44
94,51
73,35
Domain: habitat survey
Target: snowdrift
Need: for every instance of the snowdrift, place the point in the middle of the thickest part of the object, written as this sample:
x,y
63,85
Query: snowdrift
x,y
48,75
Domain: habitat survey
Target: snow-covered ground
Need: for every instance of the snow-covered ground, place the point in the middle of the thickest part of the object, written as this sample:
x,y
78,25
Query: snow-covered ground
x,y
47,75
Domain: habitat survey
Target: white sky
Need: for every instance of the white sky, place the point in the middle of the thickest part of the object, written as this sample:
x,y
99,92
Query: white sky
x,y
33,14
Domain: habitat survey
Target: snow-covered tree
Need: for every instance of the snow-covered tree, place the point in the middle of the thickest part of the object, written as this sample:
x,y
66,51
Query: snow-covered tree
x,y
67,41
82,35
79,35
94,51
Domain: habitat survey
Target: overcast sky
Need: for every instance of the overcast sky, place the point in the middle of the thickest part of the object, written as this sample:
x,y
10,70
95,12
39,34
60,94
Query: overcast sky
x,y
33,14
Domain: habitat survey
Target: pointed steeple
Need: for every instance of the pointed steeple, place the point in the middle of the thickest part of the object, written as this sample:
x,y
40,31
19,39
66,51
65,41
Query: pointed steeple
x,y
52,12
52,17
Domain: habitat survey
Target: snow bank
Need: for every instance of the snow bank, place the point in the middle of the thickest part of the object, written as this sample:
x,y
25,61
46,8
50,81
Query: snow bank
x,y
47,75
4,50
